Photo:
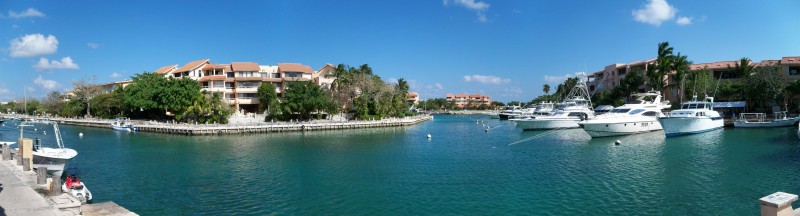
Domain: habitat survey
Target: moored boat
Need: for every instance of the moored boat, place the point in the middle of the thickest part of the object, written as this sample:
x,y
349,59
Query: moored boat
x,y
123,124
758,120
76,188
575,108
693,117
638,116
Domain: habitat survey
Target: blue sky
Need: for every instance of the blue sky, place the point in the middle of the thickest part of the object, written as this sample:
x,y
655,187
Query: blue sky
x,y
507,49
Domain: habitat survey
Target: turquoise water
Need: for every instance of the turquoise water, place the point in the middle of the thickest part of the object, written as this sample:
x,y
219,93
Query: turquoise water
x,y
462,170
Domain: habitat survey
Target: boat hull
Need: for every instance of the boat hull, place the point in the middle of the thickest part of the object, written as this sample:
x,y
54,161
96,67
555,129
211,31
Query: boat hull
x,y
773,123
600,129
547,124
55,159
678,126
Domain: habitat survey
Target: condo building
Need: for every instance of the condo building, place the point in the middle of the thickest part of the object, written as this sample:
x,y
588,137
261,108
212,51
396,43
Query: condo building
x,y
413,98
238,82
466,101
611,75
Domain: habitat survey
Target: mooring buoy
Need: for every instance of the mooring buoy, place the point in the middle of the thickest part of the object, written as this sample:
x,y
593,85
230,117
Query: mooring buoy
x,y
617,142
429,135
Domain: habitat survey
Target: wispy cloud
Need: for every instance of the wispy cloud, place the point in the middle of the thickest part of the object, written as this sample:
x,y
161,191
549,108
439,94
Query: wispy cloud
x,y
438,86
655,12
684,20
33,45
93,45
45,84
556,79
479,7
115,75
30,12
486,79
65,63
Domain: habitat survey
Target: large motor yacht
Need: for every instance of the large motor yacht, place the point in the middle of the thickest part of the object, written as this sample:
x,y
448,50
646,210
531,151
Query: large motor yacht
x,y
638,116
575,108
693,117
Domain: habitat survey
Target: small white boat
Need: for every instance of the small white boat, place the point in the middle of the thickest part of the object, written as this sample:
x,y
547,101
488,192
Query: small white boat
x,y
76,188
123,124
55,159
758,120
693,117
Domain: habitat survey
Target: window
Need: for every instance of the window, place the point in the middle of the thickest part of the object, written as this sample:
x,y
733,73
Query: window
x,y
218,84
249,84
247,95
230,74
276,75
229,85
794,71
636,111
228,96
650,113
619,110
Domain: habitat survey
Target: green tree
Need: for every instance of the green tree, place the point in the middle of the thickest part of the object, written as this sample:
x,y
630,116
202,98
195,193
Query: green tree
x,y
154,95
53,102
763,85
680,64
793,89
546,89
742,68
305,98
267,95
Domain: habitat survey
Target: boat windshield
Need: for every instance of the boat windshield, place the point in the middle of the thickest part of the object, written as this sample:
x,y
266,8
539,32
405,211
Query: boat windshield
x,y
620,110
694,106
636,111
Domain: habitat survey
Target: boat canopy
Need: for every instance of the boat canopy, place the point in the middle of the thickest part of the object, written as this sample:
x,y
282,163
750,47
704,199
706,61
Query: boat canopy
x,y
603,108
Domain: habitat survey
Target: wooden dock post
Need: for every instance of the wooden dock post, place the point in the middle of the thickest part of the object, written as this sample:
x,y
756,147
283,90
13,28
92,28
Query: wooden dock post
x,y
55,186
6,152
777,204
26,153
41,175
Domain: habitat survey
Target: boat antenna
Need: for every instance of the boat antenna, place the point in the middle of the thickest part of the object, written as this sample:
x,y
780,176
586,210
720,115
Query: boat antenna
x,y
717,87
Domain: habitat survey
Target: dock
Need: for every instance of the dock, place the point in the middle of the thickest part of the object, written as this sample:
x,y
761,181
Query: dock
x,y
30,193
266,127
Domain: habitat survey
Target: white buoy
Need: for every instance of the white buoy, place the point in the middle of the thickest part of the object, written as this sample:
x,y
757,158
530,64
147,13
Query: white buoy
x,y
487,130
80,134
34,129
617,142
429,135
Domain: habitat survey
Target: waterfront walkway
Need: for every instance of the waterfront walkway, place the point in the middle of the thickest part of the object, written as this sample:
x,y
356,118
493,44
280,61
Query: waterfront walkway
x,y
261,127
17,197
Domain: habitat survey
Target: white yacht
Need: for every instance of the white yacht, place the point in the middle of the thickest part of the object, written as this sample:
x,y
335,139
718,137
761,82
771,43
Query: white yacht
x,y
693,117
55,159
123,124
509,112
575,108
540,109
639,116
756,120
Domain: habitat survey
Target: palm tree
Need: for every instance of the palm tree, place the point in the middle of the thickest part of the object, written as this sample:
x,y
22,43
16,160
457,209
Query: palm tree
x,y
341,76
680,64
742,68
546,89
402,85
664,62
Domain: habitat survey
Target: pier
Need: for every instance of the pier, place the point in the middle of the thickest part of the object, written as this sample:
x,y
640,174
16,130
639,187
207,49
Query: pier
x,y
266,127
24,191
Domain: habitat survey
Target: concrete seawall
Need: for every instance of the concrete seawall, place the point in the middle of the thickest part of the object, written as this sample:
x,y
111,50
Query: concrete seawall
x,y
203,129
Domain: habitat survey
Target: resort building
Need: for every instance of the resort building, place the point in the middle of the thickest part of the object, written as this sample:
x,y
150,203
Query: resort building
x,y
413,98
611,75
238,82
466,101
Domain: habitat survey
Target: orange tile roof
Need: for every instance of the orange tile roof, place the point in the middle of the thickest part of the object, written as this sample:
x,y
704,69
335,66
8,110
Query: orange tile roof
x,y
245,66
462,95
166,69
412,94
450,95
191,65
790,60
293,67
486,96
475,96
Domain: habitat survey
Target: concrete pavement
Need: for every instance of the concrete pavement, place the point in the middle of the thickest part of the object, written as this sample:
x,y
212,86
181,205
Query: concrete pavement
x,y
16,195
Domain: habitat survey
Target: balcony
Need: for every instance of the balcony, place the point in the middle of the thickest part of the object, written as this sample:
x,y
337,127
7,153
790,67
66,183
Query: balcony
x,y
248,100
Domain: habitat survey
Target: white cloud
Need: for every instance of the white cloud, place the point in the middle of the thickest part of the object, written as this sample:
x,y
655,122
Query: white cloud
x,y
45,84
5,94
65,63
655,12
116,75
479,7
93,45
684,20
439,86
30,89
30,12
556,79
33,45
485,79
